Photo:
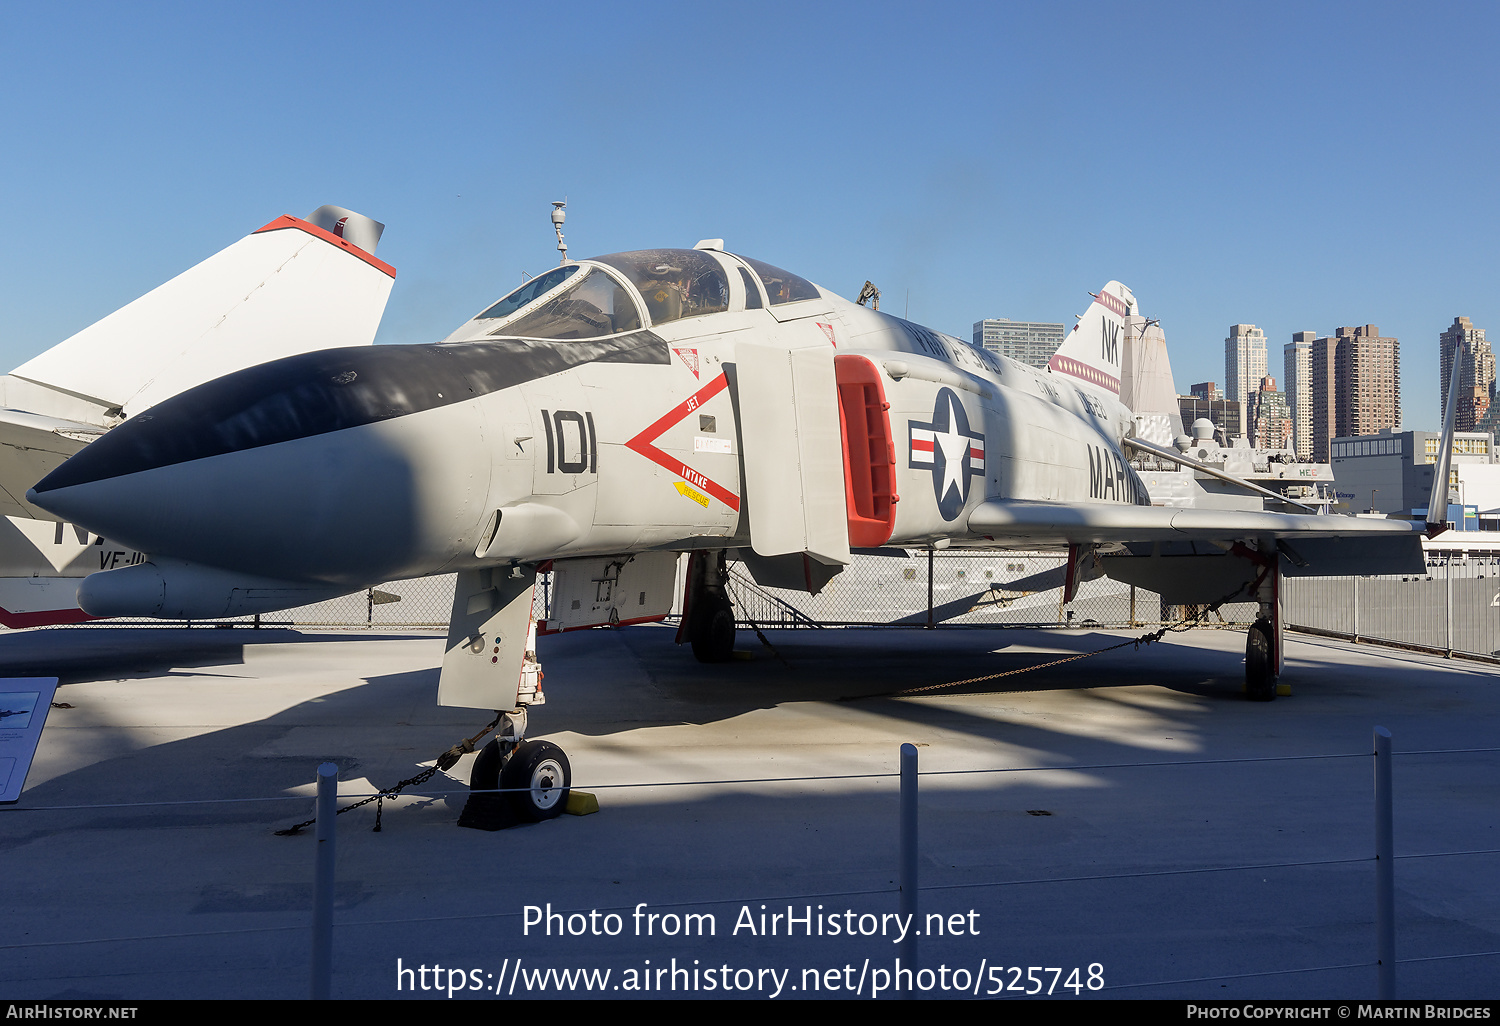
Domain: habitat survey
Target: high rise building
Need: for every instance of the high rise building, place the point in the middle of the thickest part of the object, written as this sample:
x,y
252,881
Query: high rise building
x,y
1227,416
1205,390
1270,420
1297,373
1476,373
1356,384
1030,342
1244,361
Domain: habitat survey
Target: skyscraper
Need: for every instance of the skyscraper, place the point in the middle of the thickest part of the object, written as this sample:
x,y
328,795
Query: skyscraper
x,y
1356,378
1297,373
1270,420
1030,342
1244,361
1476,373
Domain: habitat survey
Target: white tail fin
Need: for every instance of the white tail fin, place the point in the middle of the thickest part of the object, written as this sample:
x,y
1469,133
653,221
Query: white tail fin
x,y
294,286
1092,350
1146,386
1437,503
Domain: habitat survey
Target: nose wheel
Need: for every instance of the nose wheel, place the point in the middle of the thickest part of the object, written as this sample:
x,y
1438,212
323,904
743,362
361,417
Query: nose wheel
x,y
542,769
515,781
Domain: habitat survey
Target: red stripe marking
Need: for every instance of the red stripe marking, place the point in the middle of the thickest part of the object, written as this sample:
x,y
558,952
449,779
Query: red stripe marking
x,y
623,623
288,221
1109,302
1073,368
642,443
43,618
917,446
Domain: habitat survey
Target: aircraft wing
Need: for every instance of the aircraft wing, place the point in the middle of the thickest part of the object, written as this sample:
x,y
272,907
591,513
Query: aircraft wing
x,y
1055,523
1313,544
294,286
290,287
31,447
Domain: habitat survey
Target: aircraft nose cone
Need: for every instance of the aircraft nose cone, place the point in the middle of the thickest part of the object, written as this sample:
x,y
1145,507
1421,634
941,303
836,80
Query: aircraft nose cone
x,y
302,468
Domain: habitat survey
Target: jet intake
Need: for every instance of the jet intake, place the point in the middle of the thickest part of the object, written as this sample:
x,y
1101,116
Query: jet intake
x,y
175,590
528,531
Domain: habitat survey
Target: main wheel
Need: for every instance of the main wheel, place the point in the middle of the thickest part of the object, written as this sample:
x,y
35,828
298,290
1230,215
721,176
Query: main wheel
x,y
1260,663
541,768
713,632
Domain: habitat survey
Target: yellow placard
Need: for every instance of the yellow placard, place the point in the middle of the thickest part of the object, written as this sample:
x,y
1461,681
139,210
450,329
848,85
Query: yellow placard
x,y
683,488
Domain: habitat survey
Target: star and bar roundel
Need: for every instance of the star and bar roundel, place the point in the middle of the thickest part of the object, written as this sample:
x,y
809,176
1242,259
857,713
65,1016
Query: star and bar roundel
x,y
950,450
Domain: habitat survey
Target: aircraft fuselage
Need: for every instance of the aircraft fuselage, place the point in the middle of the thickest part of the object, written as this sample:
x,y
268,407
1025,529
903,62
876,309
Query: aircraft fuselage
x,y
350,467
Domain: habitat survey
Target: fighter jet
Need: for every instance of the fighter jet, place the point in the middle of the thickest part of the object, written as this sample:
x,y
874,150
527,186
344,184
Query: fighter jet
x,y
616,412
292,286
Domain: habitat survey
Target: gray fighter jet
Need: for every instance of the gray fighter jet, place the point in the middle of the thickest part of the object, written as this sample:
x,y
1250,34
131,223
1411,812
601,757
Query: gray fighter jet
x,y
616,412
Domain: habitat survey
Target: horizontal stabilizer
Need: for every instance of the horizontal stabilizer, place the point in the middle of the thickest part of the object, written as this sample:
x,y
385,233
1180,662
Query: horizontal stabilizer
x,y
289,288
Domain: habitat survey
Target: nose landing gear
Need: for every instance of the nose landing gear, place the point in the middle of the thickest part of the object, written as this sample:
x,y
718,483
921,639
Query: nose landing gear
x,y
514,780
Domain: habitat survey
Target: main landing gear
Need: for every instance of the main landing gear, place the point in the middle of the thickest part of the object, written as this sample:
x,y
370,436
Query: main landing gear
x,y
708,615
1263,642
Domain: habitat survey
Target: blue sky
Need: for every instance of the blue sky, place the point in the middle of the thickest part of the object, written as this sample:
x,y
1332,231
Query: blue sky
x,y
1296,166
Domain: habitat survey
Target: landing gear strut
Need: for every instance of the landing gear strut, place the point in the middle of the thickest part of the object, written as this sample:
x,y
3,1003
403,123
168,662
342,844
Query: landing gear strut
x,y
1263,642
533,777
708,615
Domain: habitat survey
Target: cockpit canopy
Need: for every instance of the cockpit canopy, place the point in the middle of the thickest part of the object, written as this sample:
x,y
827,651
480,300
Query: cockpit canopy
x,y
624,292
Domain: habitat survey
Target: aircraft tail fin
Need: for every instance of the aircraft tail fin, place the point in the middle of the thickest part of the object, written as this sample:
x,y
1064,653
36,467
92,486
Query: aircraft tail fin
x,y
1147,388
1092,350
293,286
1437,503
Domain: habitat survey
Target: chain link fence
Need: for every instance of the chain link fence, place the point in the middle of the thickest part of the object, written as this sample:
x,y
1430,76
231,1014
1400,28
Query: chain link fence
x,y
969,589
1455,607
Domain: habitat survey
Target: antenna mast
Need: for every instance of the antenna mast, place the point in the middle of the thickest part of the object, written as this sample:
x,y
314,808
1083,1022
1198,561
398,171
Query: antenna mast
x,y
558,217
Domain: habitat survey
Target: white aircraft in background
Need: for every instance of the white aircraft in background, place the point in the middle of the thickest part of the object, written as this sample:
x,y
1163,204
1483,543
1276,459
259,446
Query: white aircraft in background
x,y
615,412
292,286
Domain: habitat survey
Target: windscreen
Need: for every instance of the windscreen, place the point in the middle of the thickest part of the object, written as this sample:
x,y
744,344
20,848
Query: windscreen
x,y
533,289
595,306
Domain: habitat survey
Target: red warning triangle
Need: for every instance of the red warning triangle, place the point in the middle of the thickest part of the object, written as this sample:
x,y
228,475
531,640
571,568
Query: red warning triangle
x,y
689,358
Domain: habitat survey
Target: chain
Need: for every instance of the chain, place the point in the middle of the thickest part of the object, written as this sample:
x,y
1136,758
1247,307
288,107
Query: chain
x,y
444,762
1144,639
767,643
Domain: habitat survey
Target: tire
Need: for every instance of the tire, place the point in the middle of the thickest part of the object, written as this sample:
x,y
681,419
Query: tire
x,y
713,632
542,768
1260,663
484,775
